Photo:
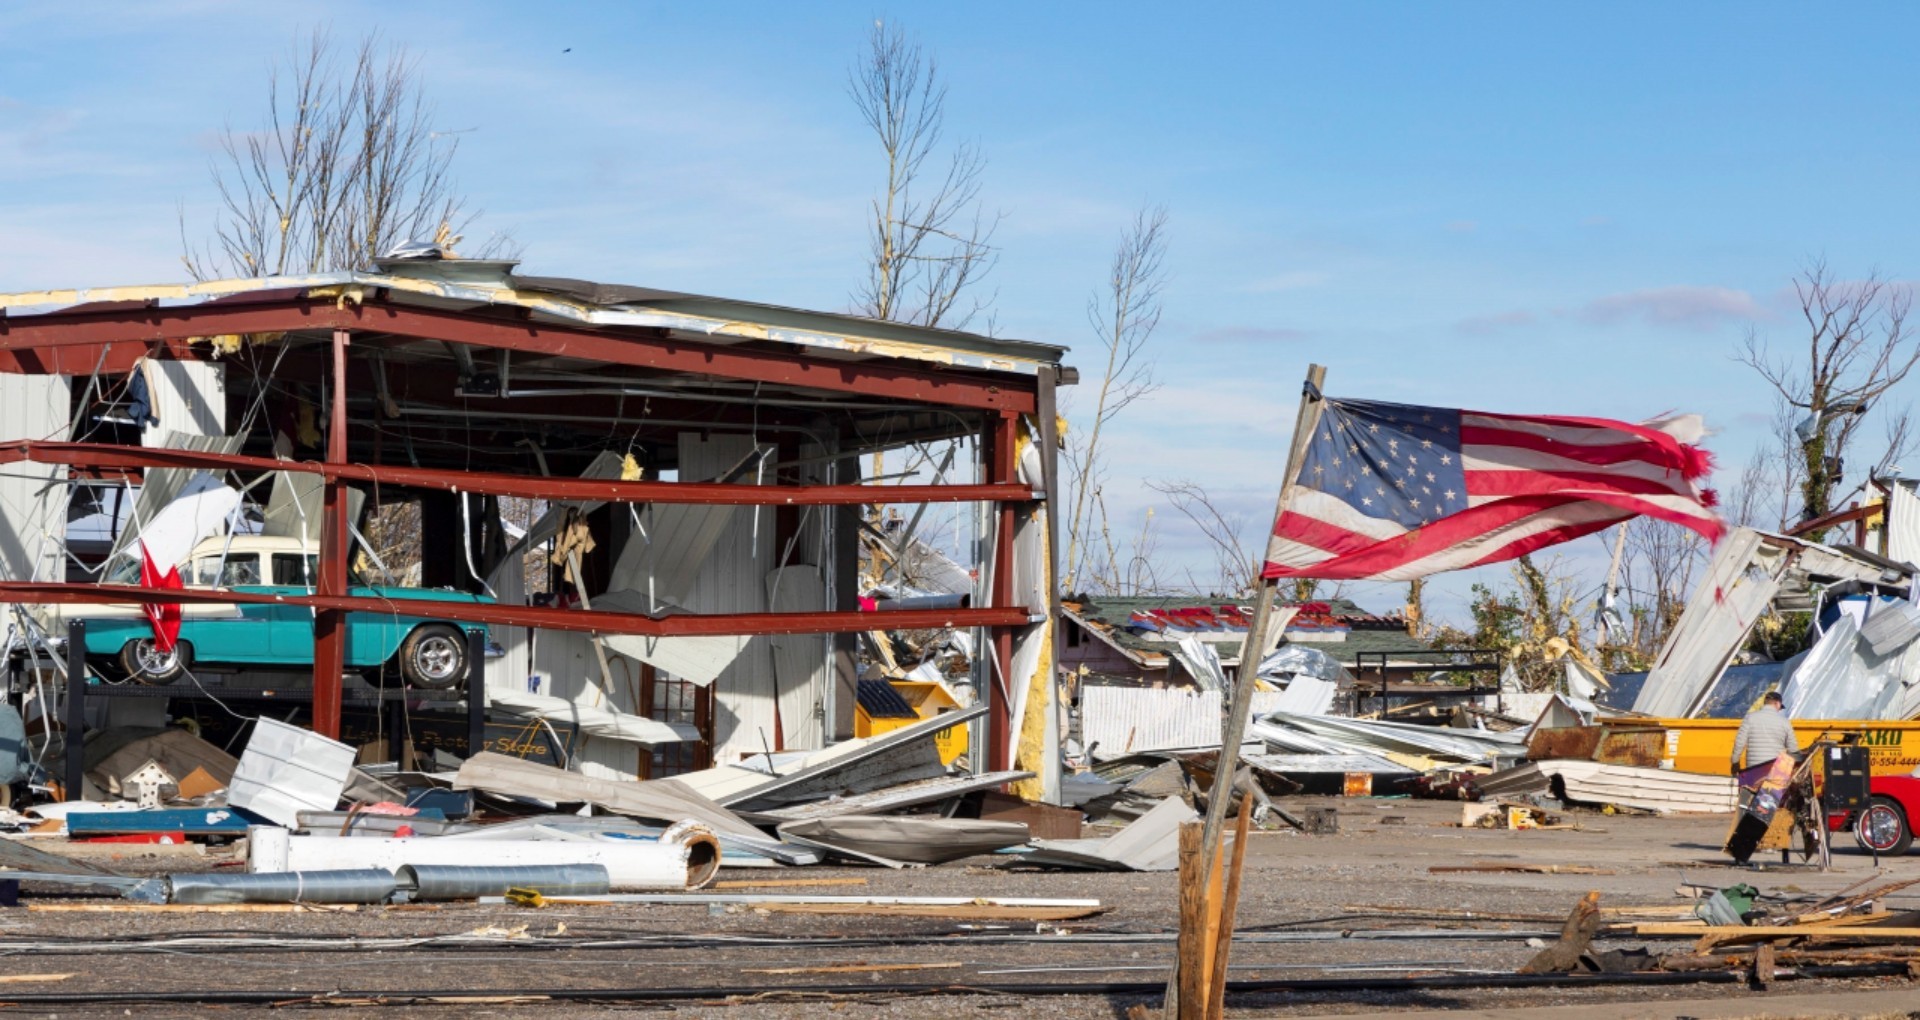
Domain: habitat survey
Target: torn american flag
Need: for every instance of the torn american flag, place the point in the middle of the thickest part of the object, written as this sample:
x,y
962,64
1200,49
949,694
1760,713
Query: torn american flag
x,y
1392,491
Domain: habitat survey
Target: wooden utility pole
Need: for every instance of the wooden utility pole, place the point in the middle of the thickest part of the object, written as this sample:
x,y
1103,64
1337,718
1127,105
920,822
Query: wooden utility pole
x,y
1311,401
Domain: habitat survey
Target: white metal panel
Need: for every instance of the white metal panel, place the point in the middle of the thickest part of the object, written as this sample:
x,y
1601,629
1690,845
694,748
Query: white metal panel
x,y
1740,583
1903,522
662,560
1123,720
799,660
732,579
189,397
295,502
32,515
161,486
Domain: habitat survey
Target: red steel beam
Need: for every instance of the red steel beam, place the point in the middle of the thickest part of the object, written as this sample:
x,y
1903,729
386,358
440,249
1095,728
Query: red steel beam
x,y
1855,514
330,625
545,617
647,349
111,456
76,359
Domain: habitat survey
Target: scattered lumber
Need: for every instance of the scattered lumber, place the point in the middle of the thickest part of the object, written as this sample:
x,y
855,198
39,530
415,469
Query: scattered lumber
x,y
189,908
852,968
1575,937
957,912
1733,934
770,883
1518,869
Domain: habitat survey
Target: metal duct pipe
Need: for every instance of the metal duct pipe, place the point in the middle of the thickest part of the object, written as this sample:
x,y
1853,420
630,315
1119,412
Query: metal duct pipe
x,y
960,601
359,885
686,856
433,882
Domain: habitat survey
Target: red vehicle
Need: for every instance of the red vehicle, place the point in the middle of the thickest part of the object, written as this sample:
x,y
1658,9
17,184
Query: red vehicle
x,y
1885,825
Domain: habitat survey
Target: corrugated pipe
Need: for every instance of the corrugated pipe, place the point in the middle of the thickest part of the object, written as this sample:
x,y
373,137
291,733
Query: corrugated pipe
x,y
359,885
434,882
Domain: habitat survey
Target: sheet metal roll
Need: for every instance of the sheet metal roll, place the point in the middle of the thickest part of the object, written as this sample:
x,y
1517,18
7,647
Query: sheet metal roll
x,y
357,885
451,882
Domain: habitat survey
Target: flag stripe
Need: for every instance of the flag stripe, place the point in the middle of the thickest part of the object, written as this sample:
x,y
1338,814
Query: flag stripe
x,y
1312,503
1394,491
1580,430
1584,453
1508,458
1471,526
1526,483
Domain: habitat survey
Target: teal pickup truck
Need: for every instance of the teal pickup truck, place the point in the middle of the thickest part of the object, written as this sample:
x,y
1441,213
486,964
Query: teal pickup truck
x,y
428,652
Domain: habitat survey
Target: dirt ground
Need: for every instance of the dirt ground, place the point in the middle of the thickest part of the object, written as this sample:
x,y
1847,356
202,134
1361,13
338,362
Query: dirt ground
x,y
1342,907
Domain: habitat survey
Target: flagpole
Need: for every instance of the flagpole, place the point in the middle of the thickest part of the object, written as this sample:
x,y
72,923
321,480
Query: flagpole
x,y
1228,762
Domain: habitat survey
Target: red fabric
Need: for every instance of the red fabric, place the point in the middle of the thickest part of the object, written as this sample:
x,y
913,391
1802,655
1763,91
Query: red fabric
x,y
165,617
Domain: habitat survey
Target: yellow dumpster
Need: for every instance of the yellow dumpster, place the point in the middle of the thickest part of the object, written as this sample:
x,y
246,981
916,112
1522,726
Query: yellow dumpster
x,y
890,704
1706,745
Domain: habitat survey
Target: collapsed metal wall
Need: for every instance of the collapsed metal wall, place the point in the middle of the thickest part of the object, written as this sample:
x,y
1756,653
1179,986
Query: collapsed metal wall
x,y
32,506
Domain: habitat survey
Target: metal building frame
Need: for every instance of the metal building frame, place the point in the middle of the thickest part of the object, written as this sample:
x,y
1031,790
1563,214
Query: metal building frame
x,y
82,333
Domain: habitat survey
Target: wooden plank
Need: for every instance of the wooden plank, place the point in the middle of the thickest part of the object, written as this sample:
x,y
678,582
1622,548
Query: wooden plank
x,y
1520,869
1223,936
21,979
1658,929
1189,1001
852,968
958,912
189,908
769,883
1575,936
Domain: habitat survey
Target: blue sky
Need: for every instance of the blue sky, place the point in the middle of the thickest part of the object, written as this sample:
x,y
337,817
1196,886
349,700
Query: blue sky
x,y
1513,207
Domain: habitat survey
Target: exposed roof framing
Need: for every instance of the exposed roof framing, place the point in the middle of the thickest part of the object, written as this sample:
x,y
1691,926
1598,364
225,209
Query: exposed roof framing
x,y
552,318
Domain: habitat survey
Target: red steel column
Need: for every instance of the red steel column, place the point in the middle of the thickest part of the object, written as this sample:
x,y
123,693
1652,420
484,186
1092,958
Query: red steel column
x,y
330,625
1001,726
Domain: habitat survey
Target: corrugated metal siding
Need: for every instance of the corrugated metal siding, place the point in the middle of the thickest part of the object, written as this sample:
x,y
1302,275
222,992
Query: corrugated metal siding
x,y
1717,618
732,579
32,522
799,660
189,397
1123,720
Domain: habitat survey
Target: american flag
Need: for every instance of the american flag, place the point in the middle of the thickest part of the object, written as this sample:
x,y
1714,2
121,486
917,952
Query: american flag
x,y
1390,492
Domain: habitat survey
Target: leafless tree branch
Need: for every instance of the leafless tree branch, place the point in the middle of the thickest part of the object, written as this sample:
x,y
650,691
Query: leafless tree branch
x,y
930,242
1124,317
1858,347
346,166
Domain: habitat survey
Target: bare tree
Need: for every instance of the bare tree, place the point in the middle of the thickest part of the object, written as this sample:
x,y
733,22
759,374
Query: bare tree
x,y
930,241
1858,347
1124,317
1660,563
346,166
1235,567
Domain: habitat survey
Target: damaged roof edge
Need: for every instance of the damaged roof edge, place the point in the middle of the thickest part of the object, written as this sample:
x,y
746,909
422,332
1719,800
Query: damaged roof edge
x,y
634,307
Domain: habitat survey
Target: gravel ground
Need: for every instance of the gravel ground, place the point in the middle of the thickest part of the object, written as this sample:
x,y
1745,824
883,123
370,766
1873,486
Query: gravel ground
x,y
1311,907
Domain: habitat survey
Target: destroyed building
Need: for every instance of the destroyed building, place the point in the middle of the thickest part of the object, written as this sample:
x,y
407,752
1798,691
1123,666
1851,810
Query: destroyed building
x,y
696,462
1129,640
